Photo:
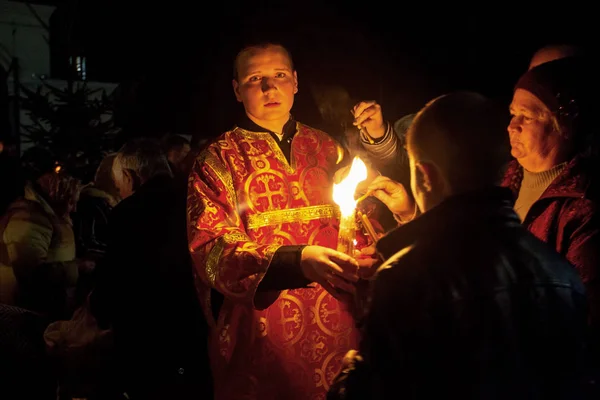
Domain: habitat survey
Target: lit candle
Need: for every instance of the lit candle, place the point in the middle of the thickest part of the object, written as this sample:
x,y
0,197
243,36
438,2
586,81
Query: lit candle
x,y
343,196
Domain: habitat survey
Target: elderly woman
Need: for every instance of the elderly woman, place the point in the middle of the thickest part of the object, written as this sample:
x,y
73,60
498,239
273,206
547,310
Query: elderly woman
x,y
551,177
551,174
552,145
552,141
38,270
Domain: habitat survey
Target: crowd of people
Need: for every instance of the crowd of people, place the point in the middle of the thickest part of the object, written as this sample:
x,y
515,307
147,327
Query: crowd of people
x,y
213,272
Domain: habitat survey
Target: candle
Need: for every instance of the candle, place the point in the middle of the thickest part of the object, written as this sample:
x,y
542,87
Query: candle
x,y
347,234
343,196
368,226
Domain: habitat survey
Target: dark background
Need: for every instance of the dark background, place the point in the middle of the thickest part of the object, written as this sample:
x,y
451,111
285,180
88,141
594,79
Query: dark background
x,y
173,59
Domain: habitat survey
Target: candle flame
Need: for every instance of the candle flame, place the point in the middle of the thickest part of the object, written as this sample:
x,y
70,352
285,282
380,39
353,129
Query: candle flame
x,y
343,192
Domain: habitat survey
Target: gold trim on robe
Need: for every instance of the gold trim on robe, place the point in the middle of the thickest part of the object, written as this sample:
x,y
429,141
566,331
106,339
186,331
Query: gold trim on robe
x,y
277,217
217,166
245,201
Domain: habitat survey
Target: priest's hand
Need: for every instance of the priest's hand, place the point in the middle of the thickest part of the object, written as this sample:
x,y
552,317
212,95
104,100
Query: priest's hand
x,y
394,195
368,116
334,271
368,261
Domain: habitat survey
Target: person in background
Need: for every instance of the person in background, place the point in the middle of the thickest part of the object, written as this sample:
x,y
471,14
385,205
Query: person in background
x,y
468,303
554,145
393,152
553,52
38,263
176,148
95,203
144,287
90,221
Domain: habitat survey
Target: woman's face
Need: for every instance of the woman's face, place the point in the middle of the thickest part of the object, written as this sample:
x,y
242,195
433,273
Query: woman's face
x,y
61,190
535,142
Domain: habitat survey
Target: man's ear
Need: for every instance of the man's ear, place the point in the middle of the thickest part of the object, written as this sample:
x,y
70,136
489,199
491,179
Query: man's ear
x,y
236,90
295,82
131,178
127,176
427,176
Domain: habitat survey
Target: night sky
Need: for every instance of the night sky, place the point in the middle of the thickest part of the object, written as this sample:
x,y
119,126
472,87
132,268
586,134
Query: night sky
x,y
401,55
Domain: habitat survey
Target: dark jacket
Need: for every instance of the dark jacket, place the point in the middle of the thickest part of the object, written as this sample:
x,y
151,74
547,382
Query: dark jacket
x,y
470,305
145,290
90,222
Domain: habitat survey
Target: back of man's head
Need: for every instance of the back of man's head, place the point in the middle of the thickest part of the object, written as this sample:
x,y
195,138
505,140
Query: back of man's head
x,y
464,135
174,142
144,158
176,148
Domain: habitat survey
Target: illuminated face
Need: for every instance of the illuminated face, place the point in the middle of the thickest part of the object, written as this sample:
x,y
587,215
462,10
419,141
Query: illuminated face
x,y
266,85
533,139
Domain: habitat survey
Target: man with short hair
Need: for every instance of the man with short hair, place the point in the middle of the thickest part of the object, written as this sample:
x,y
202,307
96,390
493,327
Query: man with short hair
x,y
176,148
137,162
262,229
145,287
469,304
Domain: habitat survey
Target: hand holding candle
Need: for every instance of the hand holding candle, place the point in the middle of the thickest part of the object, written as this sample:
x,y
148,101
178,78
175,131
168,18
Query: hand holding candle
x,y
394,195
336,272
368,118
368,227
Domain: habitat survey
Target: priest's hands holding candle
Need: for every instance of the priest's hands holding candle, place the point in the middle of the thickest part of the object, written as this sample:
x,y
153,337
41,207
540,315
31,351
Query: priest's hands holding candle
x,y
368,261
336,272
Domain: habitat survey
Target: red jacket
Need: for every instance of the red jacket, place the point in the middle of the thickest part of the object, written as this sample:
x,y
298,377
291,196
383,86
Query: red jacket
x,y
566,217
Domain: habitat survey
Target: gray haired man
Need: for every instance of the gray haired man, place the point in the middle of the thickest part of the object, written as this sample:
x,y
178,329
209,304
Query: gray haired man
x,y
145,288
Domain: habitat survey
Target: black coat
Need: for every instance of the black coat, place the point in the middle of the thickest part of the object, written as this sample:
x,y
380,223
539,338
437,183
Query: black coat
x,y
470,305
145,290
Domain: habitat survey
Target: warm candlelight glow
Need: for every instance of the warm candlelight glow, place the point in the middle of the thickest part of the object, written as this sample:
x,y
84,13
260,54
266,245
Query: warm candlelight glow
x,y
343,195
343,192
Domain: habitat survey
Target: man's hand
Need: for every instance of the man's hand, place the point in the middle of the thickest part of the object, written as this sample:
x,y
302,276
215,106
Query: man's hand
x,y
351,357
394,196
333,270
369,117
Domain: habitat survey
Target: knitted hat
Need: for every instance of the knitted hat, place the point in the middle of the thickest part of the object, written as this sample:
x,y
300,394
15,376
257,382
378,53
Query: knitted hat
x,y
562,85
